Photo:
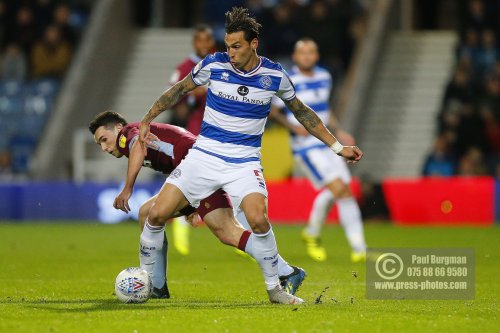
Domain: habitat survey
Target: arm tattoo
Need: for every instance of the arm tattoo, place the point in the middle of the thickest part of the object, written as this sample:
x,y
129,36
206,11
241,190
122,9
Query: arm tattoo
x,y
169,98
303,113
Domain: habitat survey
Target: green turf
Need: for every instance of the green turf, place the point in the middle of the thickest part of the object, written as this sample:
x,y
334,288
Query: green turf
x,y
60,277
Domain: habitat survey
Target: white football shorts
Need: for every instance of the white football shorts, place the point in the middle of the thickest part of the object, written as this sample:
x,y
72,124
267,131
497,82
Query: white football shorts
x,y
201,174
321,166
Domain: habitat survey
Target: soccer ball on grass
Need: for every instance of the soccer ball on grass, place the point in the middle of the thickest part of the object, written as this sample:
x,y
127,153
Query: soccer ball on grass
x,y
133,285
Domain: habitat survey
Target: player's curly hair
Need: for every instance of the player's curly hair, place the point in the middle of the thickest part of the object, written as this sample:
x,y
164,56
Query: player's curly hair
x,y
107,119
239,19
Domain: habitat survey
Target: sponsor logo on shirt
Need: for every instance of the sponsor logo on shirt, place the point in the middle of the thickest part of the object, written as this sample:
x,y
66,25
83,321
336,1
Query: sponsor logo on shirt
x,y
242,99
224,76
243,91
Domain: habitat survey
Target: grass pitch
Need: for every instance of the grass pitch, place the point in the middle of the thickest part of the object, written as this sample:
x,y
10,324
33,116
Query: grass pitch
x,y
60,278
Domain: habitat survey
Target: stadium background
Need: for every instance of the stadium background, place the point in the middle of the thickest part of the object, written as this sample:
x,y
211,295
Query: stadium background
x,y
416,82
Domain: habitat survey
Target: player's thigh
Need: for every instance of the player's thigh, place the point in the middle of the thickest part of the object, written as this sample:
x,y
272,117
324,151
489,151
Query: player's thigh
x,y
169,200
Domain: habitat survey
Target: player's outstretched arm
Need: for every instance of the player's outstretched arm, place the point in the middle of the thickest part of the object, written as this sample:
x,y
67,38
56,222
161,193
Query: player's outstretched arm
x,y
281,119
135,161
307,117
167,100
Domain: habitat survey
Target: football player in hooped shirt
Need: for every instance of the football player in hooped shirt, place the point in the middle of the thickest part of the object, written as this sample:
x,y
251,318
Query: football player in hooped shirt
x,y
327,171
241,86
167,148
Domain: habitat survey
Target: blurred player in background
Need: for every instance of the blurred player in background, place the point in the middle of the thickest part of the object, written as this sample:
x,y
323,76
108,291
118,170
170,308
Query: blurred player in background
x,y
324,169
188,113
168,147
227,151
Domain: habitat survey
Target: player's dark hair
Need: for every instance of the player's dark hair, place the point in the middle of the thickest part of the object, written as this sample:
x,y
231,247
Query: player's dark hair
x,y
107,119
239,19
203,28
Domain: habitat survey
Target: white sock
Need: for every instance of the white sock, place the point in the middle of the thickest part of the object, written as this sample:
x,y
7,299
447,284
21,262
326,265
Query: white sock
x,y
262,247
319,211
152,253
350,219
283,267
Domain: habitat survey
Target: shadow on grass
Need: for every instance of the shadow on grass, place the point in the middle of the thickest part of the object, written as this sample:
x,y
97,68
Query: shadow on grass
x,y
91,305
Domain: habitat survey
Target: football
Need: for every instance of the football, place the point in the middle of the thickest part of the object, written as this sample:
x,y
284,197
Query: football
x,y
133,285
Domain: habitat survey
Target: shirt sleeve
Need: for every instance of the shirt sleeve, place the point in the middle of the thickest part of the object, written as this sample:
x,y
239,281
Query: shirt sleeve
x,y
286,90
201,73
277,102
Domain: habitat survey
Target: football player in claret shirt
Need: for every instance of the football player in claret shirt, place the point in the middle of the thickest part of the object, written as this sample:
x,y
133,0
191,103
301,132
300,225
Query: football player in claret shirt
x,y
188,112
167,147
226,154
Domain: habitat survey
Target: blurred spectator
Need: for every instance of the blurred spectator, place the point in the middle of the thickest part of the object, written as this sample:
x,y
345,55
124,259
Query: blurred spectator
x,y
13,63
279,32
491,96
471,103
469,51
458,92
440,162
24,30
62,20
6,172
488,54
472,163
492,127
478,17
3,21
51,56
317,21
470,130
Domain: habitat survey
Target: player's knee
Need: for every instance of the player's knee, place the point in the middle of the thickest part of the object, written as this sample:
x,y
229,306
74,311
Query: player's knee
x,y
157,216
258,221
143,212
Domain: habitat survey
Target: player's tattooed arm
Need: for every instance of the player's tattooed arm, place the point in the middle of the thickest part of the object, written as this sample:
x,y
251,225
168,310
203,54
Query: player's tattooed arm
x,y
169,98
307,117
310,120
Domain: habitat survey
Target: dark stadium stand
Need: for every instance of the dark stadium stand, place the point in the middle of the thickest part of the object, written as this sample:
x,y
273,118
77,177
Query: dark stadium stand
x,y
27,98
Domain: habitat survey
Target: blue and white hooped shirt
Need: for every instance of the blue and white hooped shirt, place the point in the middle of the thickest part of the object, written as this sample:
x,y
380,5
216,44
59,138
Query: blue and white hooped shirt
x,y
238,104
314,91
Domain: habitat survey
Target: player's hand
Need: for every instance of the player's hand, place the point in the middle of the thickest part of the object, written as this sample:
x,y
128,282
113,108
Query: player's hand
x,y
351,153
121,201
143,134
150,140
194,219
300,130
